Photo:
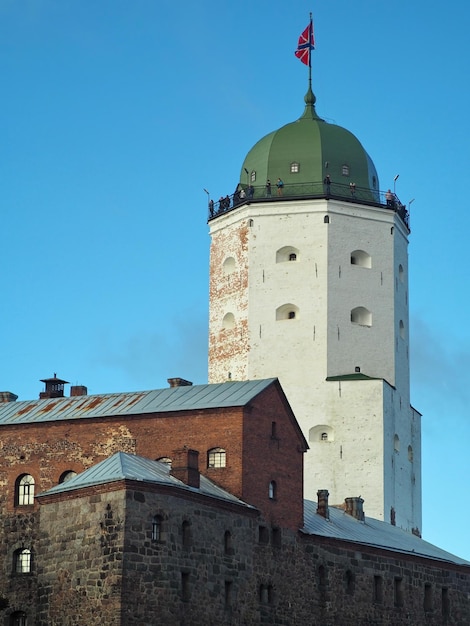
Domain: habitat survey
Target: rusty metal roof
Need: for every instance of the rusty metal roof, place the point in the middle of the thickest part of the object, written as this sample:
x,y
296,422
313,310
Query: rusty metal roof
x,y
186,398
371,532
124,466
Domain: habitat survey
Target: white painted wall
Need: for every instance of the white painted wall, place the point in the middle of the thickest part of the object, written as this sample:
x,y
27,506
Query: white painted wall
x,y
322,286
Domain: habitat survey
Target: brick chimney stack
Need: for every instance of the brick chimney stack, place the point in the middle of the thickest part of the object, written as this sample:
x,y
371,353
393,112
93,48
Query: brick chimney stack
x,y
7,396
322,506
353,507
78,390
179,382
185,467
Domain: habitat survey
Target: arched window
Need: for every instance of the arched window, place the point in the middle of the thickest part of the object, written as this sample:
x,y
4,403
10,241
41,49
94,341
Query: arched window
x,y
287,312
362,316
229,321
18,618
410,454
321,433
345,170
396,443
402,329
229,265
326,219
22,561
228,543
272,490
253,176
401,273
216,457
157,523
24,490
66,476
287,253
361,258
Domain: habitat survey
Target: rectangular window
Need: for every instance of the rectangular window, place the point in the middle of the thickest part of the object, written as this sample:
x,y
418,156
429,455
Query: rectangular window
x,y
185,594
263,534
228,593
427,597
398,592
378,589
445,602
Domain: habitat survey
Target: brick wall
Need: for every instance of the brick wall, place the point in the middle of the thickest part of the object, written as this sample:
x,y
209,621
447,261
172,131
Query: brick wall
x,y
46,450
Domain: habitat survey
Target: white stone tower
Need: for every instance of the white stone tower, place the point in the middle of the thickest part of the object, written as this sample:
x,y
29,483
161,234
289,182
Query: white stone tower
x,y
309,283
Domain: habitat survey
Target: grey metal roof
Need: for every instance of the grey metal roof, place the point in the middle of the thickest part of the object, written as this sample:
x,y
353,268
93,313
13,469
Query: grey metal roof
x,y
122,466
371,532
193,397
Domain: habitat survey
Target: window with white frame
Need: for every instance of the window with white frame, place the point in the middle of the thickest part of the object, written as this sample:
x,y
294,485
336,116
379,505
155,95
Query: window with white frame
x,y
24,490
22,562
216,457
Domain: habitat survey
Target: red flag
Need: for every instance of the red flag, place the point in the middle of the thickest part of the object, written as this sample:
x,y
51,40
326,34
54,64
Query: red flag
x,y
306,45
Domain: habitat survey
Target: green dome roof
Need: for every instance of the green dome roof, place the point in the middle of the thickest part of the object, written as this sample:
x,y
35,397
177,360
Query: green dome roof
x,y
318,149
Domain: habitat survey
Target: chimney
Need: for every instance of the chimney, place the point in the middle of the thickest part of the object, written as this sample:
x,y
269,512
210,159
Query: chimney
x,y
179,382
353,507
54,387
322,506
7,396
78,390
185,467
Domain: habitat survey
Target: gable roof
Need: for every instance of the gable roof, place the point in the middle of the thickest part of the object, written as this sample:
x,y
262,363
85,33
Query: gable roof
x,y
123,466
371,532
186,398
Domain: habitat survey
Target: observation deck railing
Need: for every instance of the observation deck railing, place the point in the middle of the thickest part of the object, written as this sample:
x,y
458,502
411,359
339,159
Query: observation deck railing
x,y
296,191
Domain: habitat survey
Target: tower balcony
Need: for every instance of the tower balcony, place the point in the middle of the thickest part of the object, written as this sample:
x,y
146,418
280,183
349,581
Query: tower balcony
x,y
316,190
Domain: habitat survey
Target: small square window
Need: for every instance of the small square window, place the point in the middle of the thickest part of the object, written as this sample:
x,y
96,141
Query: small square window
x,y
345,170
295,168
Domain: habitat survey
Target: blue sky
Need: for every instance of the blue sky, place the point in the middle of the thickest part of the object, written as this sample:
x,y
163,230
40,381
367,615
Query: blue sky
x,y
116,114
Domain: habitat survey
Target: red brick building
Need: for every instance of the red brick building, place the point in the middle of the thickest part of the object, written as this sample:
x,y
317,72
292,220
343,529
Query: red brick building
x,y
185,506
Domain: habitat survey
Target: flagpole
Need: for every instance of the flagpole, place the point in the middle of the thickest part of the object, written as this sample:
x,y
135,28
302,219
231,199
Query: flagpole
x,y
310,54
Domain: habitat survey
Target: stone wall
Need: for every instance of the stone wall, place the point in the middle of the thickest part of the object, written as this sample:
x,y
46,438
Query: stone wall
x,y
126,554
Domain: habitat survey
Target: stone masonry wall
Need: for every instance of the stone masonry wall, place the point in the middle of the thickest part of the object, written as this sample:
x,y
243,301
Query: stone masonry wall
x,y
102,560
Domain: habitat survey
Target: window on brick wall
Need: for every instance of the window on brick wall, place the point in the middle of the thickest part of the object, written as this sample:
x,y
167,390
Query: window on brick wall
x,y
273,490
22,561
18,618
24,490
65,476
216,457
164,459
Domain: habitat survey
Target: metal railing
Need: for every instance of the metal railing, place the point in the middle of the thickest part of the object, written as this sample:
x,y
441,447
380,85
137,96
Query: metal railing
x,y
293,191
